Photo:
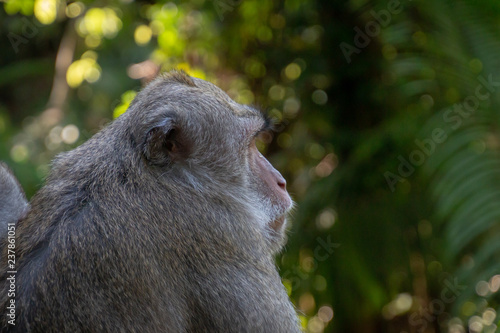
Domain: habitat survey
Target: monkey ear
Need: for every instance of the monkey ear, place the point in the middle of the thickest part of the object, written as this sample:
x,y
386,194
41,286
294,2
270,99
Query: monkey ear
x,y
161,145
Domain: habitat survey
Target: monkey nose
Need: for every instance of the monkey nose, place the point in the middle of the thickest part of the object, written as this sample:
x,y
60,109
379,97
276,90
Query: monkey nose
x,y
281,182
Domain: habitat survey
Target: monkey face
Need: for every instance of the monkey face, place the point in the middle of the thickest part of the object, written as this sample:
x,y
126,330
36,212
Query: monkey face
x,y
270,187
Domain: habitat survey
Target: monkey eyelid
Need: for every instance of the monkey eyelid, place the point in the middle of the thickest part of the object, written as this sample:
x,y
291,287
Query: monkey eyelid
x,y
262,131
263,114
268,126
268,123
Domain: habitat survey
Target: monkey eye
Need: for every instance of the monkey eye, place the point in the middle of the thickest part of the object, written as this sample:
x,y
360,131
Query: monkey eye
x,y
265,136
262,139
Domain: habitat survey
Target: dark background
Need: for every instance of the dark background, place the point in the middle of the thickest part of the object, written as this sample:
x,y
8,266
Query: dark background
x,y
388,132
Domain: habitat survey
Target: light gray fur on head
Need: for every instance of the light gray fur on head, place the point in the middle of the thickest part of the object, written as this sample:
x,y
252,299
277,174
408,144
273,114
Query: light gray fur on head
x,y
13,202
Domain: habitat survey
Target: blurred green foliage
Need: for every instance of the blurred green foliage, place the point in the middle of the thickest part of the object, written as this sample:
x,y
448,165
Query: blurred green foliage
x,y
388,117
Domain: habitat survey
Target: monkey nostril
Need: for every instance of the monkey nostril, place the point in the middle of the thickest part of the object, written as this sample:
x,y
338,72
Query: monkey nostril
x,y
282,183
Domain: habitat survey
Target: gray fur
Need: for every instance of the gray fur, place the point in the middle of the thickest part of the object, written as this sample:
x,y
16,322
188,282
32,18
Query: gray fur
x,y
13,202
127,238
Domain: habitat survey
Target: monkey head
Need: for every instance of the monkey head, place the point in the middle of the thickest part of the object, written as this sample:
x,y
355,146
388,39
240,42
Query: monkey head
x,y
192,131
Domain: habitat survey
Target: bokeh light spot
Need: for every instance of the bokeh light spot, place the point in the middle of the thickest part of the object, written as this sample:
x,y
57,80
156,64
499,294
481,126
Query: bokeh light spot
x,y
475,324
83,69
468,308
292,71
75,9
320,283
307,302
489,316
19,153
45,10
327,165
401,304
319,97
93,41
494,283
277,92
99,22
326,219
70,134
325,313
315,325
24,6
424,228
291,107
482,288
142,34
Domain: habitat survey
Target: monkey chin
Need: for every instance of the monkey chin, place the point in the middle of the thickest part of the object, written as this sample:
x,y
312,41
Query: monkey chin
x,y
278,224
276,233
